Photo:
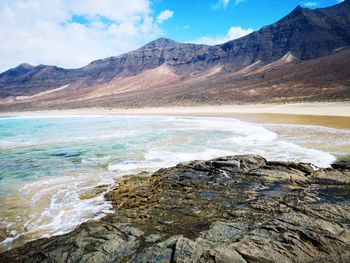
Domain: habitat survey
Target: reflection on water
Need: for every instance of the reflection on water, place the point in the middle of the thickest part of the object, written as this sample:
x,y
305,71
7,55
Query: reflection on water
x,y
50,166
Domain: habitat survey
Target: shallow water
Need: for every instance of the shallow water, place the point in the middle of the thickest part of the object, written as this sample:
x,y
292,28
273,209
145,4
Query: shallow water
x,y
48,163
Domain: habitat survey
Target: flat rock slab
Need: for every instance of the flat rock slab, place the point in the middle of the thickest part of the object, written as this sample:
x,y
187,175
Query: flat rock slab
x,y
231,209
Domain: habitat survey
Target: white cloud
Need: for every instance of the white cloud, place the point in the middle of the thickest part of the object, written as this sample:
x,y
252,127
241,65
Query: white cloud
x,y
164,15
224,3
233,33
310,4
43,32
220,4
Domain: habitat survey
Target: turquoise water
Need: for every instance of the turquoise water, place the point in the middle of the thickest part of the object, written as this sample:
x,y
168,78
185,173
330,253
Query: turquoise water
x,y
48,163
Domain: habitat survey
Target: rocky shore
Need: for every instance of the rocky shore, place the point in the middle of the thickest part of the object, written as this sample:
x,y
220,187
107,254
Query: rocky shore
x,y
230,209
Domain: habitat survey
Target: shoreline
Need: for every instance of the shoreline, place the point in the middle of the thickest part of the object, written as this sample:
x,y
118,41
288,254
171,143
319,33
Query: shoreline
x,y
328,114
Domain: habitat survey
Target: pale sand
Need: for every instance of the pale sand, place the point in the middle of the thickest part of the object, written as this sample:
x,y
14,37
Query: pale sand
x,y
330,114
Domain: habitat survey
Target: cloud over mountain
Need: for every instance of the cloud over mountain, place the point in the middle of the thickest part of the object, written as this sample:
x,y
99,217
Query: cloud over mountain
x,y
232,33
72,33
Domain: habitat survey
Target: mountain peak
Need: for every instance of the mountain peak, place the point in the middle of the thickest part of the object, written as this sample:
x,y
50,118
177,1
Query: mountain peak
x,y
20,69
345,2
164,40
25,66
298,13
299,10
161,43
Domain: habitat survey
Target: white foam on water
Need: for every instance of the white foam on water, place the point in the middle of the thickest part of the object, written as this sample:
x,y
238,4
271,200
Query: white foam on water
x,y
245,138
156,159
128,167
54,205
169,158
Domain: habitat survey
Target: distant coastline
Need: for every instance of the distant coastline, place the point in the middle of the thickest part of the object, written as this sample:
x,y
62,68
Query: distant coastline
x,y
328,114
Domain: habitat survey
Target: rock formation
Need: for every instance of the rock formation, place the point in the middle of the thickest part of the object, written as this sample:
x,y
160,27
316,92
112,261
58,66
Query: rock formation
x,y
231,209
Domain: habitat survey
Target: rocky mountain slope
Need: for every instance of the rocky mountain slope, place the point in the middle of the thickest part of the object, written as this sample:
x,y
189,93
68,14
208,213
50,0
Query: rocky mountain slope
x,y
231,209
302,36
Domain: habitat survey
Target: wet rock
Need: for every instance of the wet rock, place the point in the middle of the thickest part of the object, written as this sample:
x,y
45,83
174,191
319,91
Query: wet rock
x,y
342,164
240,163
230,209
94,192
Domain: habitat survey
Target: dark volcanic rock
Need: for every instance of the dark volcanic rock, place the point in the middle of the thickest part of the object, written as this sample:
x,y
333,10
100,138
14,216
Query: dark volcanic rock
x,y
342,164
231,209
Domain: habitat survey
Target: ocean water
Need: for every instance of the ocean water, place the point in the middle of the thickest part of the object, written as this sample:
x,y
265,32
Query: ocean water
x,y
49,165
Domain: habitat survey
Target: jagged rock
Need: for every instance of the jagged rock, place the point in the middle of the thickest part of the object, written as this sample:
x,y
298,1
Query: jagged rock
x,y
230,209
342,164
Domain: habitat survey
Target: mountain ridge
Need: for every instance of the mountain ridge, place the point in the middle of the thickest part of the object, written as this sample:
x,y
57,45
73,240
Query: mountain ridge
x,y
306,34
161,40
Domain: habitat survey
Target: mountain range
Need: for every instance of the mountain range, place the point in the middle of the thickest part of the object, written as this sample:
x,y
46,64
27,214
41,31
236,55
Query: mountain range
x,y
305,56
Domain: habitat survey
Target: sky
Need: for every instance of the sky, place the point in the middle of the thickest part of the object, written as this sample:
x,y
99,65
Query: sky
x,y
72,33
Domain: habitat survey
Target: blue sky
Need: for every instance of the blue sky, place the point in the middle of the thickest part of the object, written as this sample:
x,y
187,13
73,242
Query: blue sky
x,y
201,18
72,33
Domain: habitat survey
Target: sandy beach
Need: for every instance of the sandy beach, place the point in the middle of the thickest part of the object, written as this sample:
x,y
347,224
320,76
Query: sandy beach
x,y
328,114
